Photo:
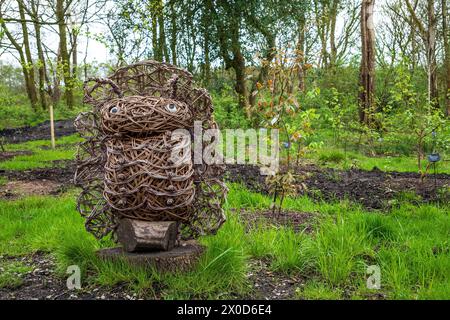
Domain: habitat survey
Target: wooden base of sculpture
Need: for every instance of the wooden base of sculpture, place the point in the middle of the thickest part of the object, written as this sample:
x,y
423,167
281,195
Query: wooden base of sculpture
x,y
139,235
152,244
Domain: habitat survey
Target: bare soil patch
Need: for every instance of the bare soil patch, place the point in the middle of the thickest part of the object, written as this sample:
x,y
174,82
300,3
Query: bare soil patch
x,y
18,188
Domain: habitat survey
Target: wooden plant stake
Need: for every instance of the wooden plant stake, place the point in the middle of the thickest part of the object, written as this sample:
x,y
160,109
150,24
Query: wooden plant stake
x,y
52,127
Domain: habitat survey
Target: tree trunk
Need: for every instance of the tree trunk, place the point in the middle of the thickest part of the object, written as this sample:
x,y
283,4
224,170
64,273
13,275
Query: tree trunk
x,y
174,30
28,84
237,60
367,69
74,53
85,64
29,60
157,54
64,53
239,69
446,42
431,55
333,48
207,64
301,52
206,41
270,54
162,34
41,65
320,17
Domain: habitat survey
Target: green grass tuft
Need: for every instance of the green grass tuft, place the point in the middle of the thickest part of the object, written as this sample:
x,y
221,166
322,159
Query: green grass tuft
x,y
11,274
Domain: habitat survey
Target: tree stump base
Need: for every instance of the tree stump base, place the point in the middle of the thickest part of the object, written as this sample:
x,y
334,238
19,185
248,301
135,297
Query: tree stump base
x,y
181,258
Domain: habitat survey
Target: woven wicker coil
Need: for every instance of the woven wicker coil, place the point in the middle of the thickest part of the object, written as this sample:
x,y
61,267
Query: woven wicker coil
x,y
142,182
141,115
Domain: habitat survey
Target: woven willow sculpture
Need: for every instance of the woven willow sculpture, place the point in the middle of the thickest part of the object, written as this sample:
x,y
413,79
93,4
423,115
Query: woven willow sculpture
x,y
124,166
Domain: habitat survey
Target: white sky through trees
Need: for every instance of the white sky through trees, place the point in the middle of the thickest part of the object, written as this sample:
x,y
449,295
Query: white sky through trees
x,y
97,52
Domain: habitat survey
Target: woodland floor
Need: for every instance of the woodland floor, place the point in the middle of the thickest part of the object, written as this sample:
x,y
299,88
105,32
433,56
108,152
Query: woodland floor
x,y
375,190
372,189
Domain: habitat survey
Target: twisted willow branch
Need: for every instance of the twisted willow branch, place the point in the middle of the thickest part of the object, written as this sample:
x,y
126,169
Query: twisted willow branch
x,y
125,165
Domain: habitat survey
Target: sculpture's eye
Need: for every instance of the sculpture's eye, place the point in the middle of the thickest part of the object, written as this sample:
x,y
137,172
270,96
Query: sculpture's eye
x,y
114,110
171,107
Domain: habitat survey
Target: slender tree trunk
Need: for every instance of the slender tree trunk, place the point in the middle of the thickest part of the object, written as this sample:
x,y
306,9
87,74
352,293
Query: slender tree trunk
x,y
162,34
320,12
333,48
236,60
239,69
41,65
301,52
367,69
29,85
157,54
29,60
174,30
431,55
85,64
64,53
446,42
270,54
207,64
206,41
74,54
56,96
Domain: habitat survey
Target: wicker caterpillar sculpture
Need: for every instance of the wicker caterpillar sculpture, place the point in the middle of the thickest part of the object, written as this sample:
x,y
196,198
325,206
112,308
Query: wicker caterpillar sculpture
x,y
124,165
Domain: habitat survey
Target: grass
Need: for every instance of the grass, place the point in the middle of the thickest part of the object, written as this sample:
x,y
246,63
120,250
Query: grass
x,y
17,112
337,158
42,156
410,245
318,291
11,274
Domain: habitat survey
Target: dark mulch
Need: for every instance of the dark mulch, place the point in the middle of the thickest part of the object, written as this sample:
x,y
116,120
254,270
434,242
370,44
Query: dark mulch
x,y
42,283
62,172
271,285
38,132
373,189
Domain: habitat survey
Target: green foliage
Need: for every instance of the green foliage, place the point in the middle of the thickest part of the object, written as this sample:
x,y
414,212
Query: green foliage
x,y
409,112
227,112
17,112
